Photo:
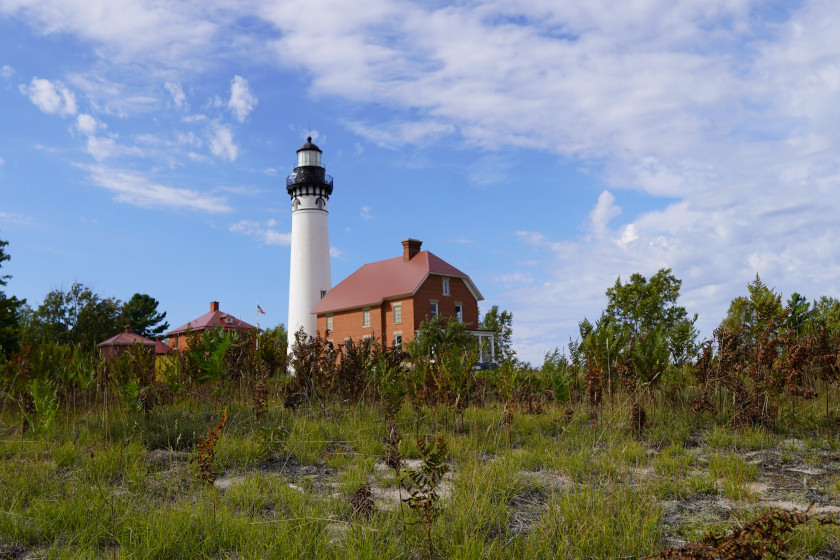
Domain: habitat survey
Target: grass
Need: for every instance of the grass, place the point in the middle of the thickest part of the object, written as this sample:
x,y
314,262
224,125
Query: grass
x,y
121,485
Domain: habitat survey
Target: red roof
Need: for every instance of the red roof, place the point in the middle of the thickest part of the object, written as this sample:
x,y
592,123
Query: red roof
x,y
126,338
213,319
388,279
161,348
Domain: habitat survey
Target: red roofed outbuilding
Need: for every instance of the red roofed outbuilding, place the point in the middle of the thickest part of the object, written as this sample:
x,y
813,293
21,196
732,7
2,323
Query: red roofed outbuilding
x,y
214,318
116,346
389,299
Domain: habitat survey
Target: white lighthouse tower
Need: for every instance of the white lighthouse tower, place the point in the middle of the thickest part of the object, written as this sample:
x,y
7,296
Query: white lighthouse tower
x,y
310,188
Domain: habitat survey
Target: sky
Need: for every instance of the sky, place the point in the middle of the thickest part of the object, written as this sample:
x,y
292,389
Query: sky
x,y
545,148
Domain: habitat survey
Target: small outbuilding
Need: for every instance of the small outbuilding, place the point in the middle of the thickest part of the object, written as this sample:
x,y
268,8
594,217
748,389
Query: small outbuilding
x,y
117,345
177,339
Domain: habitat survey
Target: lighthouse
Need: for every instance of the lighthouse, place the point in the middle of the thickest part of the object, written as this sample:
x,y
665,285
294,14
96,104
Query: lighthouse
x,y
309,276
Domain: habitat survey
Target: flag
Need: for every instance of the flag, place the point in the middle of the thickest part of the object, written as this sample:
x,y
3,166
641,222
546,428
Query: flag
x,y
260,309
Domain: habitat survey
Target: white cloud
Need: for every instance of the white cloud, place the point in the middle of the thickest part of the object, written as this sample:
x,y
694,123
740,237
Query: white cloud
x,y
86,124
177,93
335,252
106,147
6,71
116,98
14,219
188,139
604,211
365,213
514,278
264,232
50,97
242,101
2,162
167,33
133,188
221,143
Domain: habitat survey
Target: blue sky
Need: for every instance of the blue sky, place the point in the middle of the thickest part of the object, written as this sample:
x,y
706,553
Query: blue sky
x,y
545,149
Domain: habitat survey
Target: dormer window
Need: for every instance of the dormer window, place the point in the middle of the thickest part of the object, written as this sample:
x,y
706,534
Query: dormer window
x,y
229,320
445,286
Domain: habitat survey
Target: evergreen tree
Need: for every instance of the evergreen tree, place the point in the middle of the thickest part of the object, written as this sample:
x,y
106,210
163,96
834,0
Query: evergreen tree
x,y
141,313
10,311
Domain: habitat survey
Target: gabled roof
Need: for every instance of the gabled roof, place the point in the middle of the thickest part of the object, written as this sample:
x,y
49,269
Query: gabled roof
x,y
161,348
389,279
213,319
126,338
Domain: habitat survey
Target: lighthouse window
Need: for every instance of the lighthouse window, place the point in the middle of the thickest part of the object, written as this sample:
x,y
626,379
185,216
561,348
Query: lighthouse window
x,y
319,203
296,204
366,317
446,286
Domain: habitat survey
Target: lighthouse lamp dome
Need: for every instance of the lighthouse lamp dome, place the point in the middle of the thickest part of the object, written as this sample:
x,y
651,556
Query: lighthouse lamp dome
x,y
309,154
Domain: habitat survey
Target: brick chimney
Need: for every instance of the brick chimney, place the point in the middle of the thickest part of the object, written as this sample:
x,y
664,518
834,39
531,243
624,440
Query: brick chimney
x,y
214,306
410,248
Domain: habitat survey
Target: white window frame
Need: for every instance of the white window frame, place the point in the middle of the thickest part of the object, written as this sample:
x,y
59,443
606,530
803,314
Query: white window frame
x,y
398,313
329,321
366,317
434,309
446,291
398,343
459,311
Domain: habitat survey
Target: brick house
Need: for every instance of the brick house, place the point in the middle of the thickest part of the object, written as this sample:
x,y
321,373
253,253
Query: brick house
x,y
214,318
389,299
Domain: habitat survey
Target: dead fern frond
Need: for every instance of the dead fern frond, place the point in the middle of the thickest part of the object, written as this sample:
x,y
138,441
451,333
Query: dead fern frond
x,y
766,537
638,419
393,457
207,450
261,396
362,502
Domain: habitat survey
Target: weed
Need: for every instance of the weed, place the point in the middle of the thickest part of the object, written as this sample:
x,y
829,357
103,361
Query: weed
x,y
423,481
766,537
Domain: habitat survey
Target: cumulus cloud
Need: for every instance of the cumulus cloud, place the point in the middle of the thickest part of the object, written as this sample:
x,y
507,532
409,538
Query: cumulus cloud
x,y
263,232
241,101
86,124
130,187
6,71
604,211
221,143
50,97
178,96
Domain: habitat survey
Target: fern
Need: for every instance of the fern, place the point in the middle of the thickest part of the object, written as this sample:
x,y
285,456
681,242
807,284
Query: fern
x,y
423,481
45,400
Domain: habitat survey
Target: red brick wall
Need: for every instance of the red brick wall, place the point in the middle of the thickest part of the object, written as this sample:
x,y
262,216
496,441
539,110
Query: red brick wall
x,y
414,311
348,324
432,289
